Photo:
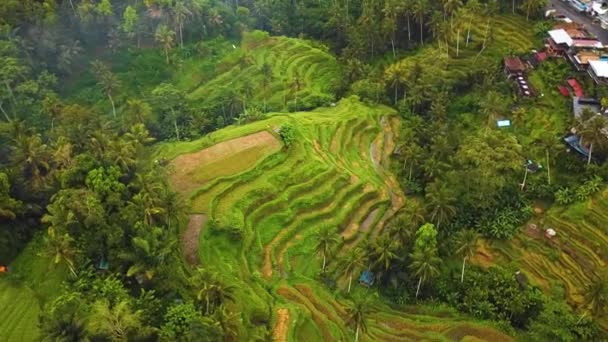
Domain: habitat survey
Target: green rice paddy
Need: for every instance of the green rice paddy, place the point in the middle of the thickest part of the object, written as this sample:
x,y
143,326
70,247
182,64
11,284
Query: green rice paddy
x,y
333,175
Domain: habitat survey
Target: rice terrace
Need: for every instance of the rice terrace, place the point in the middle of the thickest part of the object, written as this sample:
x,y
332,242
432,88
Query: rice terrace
x,y
312,170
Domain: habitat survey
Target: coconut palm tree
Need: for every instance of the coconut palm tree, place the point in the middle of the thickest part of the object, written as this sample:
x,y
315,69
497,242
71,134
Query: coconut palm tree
x,y
149,253
415,213
349,263
596,295
326,240
266,71
211,290
425,265
181,13
420,8
440,202
384,252
549,143
107,81
466,245
32,157
357,316
296,86
60,247
472,8
594,133
402,231
166,38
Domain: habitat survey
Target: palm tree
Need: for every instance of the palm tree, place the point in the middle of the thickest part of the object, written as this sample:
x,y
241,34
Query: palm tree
x,y
60,248
138,111
326,240
357,316
166,37
296,86
114,321
107,81
420,8
211,290
425,265
402,231
181,13
266,71
352,261
150,253
384,252
466,245
593,132
549,143
596,295
532,5
414,212
472,8
440,201
32,157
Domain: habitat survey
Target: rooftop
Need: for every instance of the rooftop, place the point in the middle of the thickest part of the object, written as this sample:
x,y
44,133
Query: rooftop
x,y
580,103
588,43
514,64
584,57
600,68
560,36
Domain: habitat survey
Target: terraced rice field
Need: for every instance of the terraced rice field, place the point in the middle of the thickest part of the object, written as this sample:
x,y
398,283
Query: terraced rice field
x,y
506,35
298,70
333,175
566,264
30,282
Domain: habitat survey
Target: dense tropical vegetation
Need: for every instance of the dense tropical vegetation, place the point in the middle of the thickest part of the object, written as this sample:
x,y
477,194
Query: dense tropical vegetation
x,y
376,151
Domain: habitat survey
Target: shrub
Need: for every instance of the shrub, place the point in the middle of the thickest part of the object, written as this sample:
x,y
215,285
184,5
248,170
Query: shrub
x,y
503,223
287,134
564,196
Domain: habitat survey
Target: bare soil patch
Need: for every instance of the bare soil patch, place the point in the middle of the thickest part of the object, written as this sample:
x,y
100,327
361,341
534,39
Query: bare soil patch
x,y
191,238
232,156
280,329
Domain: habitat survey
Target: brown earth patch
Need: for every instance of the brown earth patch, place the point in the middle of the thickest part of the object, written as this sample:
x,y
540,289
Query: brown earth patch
x,y
191,238
279,333
316,317
185,166
483,256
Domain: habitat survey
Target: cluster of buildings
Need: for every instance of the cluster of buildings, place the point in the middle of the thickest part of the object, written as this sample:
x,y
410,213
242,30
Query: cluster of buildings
x,y
572,42
584,51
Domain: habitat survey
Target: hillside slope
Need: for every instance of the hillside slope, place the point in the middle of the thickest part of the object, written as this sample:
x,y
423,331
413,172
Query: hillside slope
x,y
263,219
273,73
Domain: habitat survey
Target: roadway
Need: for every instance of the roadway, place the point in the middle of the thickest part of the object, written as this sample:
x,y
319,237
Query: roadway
x,y
563,7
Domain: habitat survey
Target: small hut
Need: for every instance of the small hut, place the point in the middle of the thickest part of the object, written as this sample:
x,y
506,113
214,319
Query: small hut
x,y
514,66
366,279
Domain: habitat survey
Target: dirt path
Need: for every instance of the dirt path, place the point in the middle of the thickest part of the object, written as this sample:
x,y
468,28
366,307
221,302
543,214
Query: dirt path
x,y
191,238
280,329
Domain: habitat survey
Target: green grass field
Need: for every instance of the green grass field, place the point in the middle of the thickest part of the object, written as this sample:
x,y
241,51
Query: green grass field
x,y
32,281
334,175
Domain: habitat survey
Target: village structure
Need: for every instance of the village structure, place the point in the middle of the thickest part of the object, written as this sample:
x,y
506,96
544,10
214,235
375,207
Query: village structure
x,y
588,56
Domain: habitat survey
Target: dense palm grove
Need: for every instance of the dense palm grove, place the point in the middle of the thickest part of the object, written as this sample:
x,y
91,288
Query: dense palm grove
x,y
75,166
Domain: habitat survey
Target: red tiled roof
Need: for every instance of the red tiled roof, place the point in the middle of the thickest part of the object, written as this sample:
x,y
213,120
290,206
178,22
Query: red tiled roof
x,y
578,90
564,91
